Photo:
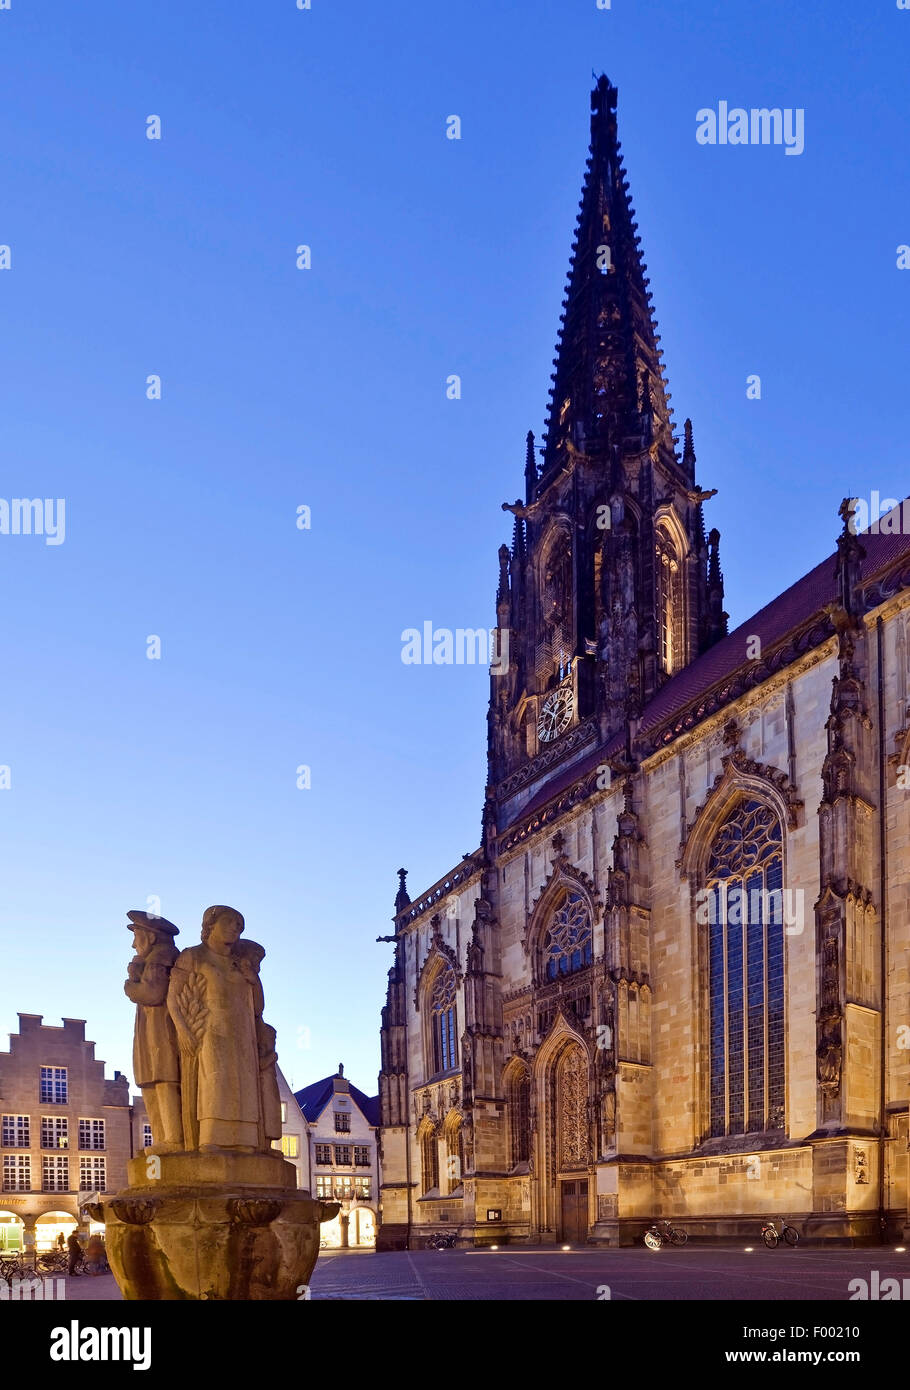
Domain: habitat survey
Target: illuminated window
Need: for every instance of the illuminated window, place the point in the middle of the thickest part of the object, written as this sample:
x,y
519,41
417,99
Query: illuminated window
x,y
290,1145
363,1189
284,1112
54,1132
746,973
669,605
323,1186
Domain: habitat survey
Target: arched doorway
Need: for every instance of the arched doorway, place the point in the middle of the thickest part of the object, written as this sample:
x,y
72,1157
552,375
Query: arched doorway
x,y
362,1227
51,1224
11,1231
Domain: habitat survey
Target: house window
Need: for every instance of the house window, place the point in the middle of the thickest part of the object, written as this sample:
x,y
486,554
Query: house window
x,y
92,1174
343,1155
442,1019
53,1086
54,1132
91,1134
15,1133
342,1122
363,1189
323,1186
290,1146
284,1112
146,1136
17,1173
344,1188
361,1156
568,943
746,972
55,1174
323,1153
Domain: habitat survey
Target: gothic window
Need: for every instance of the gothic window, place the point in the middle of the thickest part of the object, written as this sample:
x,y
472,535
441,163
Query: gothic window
x,y
556,597
454,1155
442,1020
568,942
669,606
744,903
429,1160
518,1095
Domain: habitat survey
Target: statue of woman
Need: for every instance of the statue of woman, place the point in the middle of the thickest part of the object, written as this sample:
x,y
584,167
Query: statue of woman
x,y
227,1052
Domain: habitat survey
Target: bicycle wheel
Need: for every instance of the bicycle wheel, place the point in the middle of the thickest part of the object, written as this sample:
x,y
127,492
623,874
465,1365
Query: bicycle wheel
x,y
679,1237
770,1237
790,1235
653,1240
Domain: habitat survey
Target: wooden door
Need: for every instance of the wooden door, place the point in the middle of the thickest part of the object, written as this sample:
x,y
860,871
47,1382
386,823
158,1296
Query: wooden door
x,y
574,1222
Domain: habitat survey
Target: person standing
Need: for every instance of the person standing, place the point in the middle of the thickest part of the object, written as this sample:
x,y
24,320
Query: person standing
x,y
75,1254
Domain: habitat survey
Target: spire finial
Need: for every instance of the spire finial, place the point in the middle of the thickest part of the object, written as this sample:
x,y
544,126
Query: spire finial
x,y
401,897
530,468
688,447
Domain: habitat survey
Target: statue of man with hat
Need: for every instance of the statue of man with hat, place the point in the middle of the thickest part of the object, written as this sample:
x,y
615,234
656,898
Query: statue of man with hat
x,y
156,1061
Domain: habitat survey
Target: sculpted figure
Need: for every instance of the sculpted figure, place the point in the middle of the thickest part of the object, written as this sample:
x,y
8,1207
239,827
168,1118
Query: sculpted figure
x,y
155,1057
227,1053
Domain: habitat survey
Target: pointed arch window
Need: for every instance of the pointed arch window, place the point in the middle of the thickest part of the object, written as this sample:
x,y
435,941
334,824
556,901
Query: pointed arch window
x,y
744,916
429,1160
518,1096
669,603
568,941
442,1021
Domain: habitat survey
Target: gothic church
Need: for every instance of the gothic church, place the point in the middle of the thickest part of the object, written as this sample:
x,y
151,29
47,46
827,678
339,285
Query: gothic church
x,y
674,979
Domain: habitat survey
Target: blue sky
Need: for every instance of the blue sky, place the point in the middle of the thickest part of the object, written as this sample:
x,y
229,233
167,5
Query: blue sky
x,y
176,778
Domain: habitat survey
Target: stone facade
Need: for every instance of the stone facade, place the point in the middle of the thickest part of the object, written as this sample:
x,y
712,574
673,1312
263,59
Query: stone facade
x,y
674,980
66,1130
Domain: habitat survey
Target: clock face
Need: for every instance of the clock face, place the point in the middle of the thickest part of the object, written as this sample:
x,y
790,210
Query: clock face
x,y
555,714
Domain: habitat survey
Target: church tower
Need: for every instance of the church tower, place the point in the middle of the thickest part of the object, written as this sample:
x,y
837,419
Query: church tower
x,y
611,586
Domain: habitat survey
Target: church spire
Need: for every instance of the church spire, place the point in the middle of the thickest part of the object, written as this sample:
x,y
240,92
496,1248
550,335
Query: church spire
x,y
608,342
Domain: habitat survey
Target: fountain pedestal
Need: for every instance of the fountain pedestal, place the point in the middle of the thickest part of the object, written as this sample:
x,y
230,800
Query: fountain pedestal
x,y
212,1226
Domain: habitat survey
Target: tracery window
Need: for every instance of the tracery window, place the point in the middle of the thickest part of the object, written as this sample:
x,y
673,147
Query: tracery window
x,y
442,1020
746,972
669,593
568,942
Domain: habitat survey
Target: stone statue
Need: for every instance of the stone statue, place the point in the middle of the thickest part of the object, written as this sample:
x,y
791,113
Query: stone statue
x,y
229,1090
211,1210
155,1058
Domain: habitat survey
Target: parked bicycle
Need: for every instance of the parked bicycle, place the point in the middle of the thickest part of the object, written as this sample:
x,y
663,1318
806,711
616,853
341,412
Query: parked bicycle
x,y
663,1233
16,1266
441,1240
772,1237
